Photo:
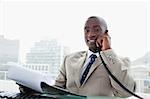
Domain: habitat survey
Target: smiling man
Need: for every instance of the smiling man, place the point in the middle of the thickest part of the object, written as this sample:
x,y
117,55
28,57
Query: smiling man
x,y
83,72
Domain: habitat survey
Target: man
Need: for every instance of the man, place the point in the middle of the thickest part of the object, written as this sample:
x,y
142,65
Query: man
x,y
95,81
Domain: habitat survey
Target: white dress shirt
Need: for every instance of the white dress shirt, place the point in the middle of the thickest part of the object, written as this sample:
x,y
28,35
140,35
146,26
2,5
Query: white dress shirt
x,y
89,53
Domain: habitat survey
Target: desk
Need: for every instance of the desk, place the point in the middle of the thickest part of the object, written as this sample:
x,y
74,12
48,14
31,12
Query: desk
x,y
48,96
11,95
90,97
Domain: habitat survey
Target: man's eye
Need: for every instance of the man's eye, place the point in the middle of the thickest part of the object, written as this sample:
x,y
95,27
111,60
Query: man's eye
x,y
87,31
96,30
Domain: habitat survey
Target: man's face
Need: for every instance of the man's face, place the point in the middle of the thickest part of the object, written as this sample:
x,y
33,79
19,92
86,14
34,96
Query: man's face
x,y
92,30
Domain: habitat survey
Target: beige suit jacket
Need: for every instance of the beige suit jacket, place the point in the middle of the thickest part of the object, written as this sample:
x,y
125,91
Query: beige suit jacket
x,y
97,82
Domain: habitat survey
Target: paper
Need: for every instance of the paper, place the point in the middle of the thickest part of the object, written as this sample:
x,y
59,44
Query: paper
x,y
27,77
35,80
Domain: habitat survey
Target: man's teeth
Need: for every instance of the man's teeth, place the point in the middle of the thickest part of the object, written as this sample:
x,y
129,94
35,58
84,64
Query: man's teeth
x,y
91,40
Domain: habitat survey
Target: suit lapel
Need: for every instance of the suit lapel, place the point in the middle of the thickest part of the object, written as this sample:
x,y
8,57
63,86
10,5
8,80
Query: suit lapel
x,y
93,67
80,63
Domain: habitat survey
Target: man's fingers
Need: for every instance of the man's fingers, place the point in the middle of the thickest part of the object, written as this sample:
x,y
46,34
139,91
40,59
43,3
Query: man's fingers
x,y
99,40
104,41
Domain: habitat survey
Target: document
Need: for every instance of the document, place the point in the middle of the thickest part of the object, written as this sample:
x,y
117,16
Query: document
x,y
34,80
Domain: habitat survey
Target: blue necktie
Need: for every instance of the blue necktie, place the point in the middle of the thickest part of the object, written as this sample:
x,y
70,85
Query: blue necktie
x,y
92,59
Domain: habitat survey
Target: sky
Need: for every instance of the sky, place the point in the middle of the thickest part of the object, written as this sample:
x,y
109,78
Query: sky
x,y
34,20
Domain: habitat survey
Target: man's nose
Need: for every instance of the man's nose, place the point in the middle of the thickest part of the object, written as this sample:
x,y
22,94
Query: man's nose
x,y
91,34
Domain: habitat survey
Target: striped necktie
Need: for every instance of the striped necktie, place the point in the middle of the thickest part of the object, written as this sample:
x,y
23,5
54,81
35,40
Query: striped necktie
x,y
92,59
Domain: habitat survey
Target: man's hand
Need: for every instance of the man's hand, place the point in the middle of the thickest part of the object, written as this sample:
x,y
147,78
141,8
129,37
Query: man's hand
x,y
104,42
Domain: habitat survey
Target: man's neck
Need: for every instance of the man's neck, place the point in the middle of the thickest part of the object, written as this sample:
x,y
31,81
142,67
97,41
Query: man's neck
x,y
93,50
90,52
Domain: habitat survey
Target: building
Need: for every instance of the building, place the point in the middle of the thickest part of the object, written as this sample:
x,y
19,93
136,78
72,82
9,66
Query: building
x,y
9,50
3,71
141,75
9,53
44,68
46,53
143,60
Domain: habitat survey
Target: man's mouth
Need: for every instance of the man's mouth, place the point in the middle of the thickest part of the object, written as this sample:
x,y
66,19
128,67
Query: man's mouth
x,y
91,41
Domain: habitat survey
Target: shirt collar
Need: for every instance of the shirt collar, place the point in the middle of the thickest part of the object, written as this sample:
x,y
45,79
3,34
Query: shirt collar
x,y
89,53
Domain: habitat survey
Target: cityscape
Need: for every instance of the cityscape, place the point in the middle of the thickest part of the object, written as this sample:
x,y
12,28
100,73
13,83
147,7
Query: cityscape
x,y
46,56
38,34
